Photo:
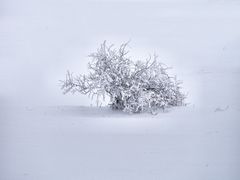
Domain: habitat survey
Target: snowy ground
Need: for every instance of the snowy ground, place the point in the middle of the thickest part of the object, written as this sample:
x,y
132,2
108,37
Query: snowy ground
x,y
45,135
74,142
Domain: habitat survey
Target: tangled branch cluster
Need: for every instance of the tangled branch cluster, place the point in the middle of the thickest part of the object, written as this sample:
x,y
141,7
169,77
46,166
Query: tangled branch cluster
x,y
132,86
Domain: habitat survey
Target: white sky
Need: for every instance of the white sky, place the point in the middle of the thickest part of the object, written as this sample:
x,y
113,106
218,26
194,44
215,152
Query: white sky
x,y
40,40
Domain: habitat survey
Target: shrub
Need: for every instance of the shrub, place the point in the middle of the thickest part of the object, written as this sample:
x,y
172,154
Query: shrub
x,y
132,86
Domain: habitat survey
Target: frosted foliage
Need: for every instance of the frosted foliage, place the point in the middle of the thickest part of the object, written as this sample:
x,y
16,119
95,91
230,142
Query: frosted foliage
x,y
133,86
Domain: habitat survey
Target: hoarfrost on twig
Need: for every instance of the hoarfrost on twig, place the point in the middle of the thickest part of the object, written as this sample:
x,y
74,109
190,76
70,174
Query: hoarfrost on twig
x,y
132,86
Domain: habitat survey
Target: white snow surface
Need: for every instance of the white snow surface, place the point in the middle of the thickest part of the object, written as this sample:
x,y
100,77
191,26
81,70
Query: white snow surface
x,y
77,142
45,135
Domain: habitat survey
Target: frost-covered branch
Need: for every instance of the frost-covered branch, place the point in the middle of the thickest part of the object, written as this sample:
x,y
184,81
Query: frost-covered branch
x,y
132,86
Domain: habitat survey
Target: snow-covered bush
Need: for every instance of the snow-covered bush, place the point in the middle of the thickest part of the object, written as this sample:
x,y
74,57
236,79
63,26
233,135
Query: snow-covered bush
x,y
133,86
